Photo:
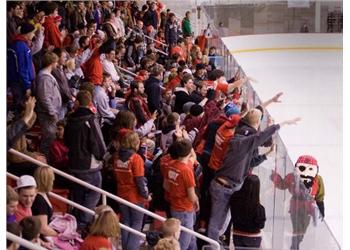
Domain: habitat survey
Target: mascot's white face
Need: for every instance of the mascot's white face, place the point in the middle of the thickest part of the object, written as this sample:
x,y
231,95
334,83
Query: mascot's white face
x,y
307,172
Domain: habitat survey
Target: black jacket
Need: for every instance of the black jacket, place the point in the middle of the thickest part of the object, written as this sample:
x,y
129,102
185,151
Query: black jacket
x,y
151,18
84,139
239,155
153,91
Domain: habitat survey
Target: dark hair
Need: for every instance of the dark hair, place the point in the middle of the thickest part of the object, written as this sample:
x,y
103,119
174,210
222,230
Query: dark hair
x,y
138,39
88,86
61,123
180,148
12,5
215,74
30,227
186,78
59,51
13,228
249,193
50,8
82,40
124,119
84,98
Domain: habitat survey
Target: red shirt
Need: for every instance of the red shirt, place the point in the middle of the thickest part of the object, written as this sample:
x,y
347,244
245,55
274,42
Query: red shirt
x,y
178,177
93,69
222,139
218,86
96,243
22,212
125,172
52,33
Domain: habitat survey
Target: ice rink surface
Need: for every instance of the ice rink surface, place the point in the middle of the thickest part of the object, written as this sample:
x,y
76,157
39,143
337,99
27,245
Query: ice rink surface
x,y
311,81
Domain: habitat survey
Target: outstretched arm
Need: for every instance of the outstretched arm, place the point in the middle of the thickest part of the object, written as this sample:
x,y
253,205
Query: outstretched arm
x,y
272,100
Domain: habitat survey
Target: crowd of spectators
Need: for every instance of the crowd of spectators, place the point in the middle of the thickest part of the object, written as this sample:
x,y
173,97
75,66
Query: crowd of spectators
x,y
125,98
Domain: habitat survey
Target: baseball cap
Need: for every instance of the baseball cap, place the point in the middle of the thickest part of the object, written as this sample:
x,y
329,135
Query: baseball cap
x,y
25,181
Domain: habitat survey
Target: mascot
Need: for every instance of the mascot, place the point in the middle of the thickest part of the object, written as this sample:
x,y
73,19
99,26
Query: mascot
x,y
307,190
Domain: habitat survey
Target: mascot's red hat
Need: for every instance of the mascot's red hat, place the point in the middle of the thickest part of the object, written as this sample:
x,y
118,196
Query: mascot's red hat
x,y
308,159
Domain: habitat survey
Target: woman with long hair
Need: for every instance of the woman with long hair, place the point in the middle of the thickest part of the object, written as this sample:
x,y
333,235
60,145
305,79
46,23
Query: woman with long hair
x,y
248,215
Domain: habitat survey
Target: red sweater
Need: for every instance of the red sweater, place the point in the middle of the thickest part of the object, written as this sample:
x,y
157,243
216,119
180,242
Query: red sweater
x,y
52,33
92,68
58,154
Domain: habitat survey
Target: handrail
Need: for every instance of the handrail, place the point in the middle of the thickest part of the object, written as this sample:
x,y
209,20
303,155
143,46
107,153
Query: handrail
x,y
126,71
156,41
113,197
161,52
80,207
23,242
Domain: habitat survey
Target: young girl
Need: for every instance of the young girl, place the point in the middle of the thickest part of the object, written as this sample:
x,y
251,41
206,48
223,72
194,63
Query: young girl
x,y
104,231
11,204
248,215
131,186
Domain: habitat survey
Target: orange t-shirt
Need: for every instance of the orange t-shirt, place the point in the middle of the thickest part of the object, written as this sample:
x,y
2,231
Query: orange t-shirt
x,y
178,50
178,177
218,86
96,243
222,139
22,212
125,172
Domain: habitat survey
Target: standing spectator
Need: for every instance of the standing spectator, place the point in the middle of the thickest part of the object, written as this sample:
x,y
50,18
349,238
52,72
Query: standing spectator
x,y
108,64
13,12
49,100
26,189
137,103
230,177
248,215
104,231
171,30
62,81
135,52
92,68
119,24
20,73
109,26
179,182
77,17
186,25
53,38
84,51
153,88
11,204
150,18
42,207
84,140
131,186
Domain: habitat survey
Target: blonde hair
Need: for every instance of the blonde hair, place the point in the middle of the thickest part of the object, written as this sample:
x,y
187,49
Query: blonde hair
x,y
205,59
167,244
130,140
11,195
253,116
70,64
106,223
170,227
44,178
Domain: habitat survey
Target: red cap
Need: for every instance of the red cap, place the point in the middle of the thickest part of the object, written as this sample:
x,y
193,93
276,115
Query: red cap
x,y
233,121
308,159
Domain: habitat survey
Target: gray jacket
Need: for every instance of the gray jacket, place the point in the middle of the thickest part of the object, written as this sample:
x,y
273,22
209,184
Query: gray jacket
x,y
48,95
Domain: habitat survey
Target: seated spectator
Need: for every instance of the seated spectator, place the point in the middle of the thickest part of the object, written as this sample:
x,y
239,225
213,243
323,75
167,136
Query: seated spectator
x,y
179,182
170,125
11,204
26,188
248,215
131,186
42,207
135,52
15,229
31,232
104,233
108,64
167,244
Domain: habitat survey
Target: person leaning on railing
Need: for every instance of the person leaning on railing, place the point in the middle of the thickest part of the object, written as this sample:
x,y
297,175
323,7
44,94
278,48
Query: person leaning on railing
x,y
235,168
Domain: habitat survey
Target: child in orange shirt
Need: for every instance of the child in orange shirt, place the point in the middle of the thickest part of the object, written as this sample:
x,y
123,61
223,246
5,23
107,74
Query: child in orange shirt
x,y
179,184
131,186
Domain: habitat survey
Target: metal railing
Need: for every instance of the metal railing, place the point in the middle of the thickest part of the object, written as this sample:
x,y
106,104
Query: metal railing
x,y
111,196
84,209
14,238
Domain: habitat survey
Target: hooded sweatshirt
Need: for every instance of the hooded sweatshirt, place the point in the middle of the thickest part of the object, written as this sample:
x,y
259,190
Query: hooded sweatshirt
x,y
83,137
129,172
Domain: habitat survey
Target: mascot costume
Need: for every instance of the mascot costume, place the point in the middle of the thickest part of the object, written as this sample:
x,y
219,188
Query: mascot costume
x,y
307,190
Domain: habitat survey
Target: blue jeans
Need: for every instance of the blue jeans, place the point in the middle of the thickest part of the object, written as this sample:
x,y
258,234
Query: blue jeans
x,y
220,205
187,241
85,196
131,218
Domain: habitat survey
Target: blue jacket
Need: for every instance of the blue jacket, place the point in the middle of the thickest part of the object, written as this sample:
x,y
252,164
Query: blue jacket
x,y
25,71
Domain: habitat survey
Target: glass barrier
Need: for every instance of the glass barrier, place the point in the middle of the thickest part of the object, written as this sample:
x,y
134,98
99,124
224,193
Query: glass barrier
x,y
293,218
